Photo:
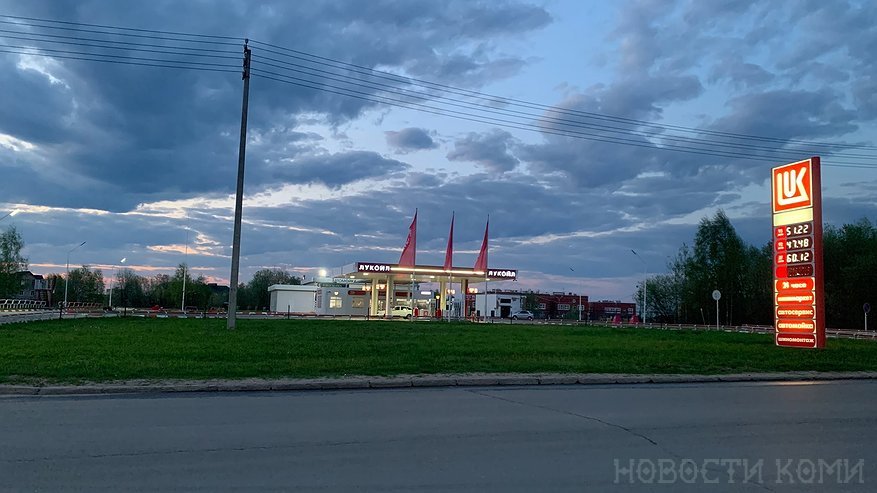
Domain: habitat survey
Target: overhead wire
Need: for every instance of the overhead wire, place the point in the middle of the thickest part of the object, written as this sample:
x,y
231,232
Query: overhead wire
x,y
127,61
507,124
512,110
160,34
520,114
288,52
228,56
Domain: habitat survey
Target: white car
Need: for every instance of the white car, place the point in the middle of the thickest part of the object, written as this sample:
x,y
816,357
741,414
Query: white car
x,y
402,311
523,315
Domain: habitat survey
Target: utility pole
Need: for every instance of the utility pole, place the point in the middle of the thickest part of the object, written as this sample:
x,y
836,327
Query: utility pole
x,y
185,269
67,269
239,195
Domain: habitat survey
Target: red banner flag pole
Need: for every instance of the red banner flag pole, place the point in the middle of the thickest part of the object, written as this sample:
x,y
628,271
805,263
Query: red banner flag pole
x,y
481,263
449,253
409,253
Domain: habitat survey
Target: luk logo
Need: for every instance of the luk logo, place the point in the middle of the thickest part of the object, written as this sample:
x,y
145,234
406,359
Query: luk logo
x,y
792,186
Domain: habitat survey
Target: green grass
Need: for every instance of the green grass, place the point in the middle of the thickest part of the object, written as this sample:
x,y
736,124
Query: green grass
x,y
120,349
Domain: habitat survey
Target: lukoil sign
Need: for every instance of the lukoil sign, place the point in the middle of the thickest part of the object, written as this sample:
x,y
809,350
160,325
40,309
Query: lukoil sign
x,y
792,186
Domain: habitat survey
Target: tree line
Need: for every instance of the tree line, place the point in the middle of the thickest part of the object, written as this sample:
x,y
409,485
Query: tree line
x,y
719,259
87,284
166,291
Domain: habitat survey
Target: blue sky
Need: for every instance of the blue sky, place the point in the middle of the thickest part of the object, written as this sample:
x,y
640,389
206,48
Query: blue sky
x,y
128,157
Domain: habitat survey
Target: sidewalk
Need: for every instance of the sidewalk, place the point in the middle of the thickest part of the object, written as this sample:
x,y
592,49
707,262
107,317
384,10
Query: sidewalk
x,y
403,381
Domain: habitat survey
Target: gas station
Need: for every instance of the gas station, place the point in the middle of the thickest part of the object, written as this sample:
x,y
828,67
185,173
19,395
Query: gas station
x,y
386,284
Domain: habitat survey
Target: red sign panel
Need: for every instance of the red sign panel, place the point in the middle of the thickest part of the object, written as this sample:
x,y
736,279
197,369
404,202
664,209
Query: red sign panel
x,y
805,283
796,199
796,340
793,186
795,311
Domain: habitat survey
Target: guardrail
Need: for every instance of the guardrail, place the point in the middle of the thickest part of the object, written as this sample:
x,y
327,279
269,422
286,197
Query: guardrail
x,y
15,304
749,329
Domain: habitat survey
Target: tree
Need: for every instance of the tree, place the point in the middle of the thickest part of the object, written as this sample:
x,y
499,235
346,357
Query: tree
x,y
11,262
531,303
85,285
56,281
255,293
129,289
716,262
756,296
718,259
850,257
159,291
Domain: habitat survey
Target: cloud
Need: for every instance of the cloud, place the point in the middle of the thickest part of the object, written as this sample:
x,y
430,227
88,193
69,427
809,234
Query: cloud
x,y
739,73
337,169
410,139
146,146
146,134
492,151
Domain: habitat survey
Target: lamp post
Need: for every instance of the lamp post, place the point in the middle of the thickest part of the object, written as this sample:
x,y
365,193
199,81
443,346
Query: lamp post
x,y
580,300
9,214
645,285
112,280
67,278
185,269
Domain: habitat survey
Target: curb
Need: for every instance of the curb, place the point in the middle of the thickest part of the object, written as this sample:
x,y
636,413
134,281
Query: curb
x,y
408,381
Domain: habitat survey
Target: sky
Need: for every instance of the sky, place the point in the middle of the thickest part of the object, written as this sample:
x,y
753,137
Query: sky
x,y
140,162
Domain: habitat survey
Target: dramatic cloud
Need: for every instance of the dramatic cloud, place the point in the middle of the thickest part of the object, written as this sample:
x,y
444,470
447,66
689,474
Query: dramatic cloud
x,y
491,150
410,139
338,169
618,141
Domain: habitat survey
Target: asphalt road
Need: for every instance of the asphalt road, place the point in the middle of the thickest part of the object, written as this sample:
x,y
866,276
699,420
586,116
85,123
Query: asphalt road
x,y
705,437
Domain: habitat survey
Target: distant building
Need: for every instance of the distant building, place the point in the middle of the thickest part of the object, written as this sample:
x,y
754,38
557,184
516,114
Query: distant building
x,y
561,305
502,303
34,287
606,310
496,303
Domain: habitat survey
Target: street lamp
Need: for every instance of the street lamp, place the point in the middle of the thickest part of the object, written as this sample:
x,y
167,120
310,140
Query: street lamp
x,y
9,214
185,270
645,285
113,280
580,300
67,279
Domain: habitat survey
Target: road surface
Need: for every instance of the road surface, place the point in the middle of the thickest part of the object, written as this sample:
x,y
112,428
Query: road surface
x,y
678,437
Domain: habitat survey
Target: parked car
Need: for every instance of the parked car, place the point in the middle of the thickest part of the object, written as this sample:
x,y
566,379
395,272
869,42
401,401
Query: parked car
x,y
522,315
403,311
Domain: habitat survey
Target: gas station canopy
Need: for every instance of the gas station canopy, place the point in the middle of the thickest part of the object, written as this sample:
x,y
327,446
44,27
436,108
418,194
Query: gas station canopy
x,y
367,271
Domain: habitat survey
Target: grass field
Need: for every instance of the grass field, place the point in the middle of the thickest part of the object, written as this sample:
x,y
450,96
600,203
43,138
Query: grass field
x,y
121,349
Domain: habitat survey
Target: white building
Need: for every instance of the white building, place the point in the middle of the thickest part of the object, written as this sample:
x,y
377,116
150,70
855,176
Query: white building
x,y
293,298
322,296
499,304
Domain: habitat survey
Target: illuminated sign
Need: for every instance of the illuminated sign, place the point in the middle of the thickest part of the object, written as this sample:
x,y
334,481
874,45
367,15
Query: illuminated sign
x,y
505,274
793,186
363,267
799,308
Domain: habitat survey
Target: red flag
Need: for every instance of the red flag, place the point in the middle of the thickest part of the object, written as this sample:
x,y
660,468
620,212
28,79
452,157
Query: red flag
x,y
410,251
449,253
481,263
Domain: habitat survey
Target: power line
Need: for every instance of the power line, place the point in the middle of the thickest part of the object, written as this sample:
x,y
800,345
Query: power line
x,y
288,52
549,124
507,124
519,114
110,47
127,61
127,43
118,28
